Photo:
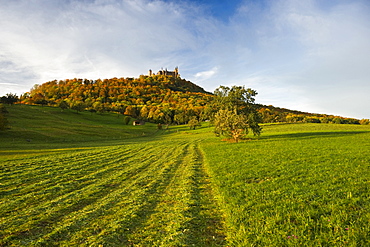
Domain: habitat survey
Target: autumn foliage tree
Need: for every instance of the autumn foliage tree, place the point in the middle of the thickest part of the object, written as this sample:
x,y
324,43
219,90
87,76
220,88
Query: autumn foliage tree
x,y
364,121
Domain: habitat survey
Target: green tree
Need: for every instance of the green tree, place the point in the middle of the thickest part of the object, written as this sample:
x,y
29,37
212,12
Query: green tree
x,y
337,120
9,99
78,106
237,98
236,112
167,116
98,107
180,117
229,124
193,123
63,105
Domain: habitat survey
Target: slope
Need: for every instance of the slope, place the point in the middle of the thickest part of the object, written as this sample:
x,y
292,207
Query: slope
x,y
37,127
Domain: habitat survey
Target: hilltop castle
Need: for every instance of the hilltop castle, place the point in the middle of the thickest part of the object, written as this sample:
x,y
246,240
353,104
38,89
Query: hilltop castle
x,y
174,73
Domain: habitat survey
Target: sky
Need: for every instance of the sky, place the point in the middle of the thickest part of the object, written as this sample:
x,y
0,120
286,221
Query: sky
x,y
307,55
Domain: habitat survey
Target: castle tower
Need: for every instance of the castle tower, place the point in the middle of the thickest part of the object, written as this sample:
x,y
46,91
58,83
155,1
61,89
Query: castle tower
x,y
150,72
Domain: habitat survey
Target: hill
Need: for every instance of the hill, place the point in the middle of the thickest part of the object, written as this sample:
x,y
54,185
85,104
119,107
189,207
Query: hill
x,y
44,127
157,98
154,98
272,114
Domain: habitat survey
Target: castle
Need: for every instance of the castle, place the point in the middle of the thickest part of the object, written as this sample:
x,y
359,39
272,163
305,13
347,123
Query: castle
x,y
174,73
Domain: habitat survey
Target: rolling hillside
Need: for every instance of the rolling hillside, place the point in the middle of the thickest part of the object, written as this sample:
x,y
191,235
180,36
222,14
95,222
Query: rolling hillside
x,y
44,126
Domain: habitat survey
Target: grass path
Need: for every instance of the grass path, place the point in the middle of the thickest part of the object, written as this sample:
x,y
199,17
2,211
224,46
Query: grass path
x,y
142,194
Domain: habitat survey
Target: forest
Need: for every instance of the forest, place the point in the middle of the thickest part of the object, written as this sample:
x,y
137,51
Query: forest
x,y
157,98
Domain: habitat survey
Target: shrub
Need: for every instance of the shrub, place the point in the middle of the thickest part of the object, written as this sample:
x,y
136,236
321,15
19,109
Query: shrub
x,y
364,121
126,120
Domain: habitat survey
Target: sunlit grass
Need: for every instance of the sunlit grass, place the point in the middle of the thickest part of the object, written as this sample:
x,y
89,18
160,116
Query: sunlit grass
x,y
298,185
142,193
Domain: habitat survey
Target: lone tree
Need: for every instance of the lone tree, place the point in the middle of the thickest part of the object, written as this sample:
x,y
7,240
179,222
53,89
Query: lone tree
x,y
235,112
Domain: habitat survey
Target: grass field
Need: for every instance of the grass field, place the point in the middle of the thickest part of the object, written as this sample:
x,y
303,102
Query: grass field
x,y
107,184
299,185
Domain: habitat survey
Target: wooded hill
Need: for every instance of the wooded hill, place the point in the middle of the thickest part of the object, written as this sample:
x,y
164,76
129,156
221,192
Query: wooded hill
x,y
157,98
272,114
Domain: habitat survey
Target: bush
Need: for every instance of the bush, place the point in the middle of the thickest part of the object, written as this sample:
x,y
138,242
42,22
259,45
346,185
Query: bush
x,y
126,120
337,120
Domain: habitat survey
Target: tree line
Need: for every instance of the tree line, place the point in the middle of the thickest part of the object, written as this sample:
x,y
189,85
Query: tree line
x,y
271,114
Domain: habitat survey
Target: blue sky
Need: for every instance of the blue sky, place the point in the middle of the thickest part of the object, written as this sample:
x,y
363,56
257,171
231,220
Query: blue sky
x,y
308,55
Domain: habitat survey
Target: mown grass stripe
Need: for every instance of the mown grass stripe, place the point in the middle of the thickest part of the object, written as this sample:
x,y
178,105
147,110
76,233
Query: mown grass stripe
x,y
181,212
49,204
162,219
117,176
145,201
36,170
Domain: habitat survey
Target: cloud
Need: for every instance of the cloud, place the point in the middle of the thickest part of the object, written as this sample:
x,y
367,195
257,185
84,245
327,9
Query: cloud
x,y
304,55
204,75
309,55
93,38
336,55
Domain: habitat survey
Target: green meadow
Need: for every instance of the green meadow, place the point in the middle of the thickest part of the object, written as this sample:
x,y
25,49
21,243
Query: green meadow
x,y
82,179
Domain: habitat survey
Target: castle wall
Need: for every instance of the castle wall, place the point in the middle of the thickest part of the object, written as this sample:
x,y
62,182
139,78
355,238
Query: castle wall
x,y
174,73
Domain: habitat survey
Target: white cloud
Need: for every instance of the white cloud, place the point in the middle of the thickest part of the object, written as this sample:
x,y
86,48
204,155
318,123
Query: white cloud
x,y
303,55
337,54
93,39
307,55
204,75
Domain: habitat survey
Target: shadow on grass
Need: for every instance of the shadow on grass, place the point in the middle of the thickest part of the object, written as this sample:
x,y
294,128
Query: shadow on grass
x,y
310,135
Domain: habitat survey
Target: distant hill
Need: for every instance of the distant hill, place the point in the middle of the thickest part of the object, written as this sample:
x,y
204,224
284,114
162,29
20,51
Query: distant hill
x,y
272,114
